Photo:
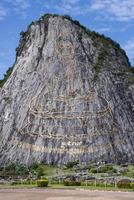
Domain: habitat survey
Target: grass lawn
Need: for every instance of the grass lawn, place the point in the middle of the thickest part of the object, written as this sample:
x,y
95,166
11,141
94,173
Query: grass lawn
x,y
49,170
61,186
21,186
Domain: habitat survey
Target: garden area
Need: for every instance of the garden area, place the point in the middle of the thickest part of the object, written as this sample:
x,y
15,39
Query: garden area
x,y
71,175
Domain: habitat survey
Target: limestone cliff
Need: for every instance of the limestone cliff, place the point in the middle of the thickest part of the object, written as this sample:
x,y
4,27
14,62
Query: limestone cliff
x,y
70,97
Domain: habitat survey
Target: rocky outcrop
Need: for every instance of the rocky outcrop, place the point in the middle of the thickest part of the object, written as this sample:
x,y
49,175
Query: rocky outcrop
x,y
70,97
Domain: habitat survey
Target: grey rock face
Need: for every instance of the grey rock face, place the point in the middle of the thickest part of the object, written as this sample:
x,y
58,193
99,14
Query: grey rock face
x,y
70,97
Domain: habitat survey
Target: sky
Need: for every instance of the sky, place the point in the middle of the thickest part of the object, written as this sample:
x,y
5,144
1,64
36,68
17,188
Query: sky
x,y
113,18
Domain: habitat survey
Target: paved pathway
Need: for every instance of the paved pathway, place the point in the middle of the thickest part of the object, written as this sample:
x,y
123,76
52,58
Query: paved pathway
x,y
55,194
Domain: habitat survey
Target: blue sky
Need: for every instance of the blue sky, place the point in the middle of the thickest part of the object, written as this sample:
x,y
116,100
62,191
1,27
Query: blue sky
x,y
114,18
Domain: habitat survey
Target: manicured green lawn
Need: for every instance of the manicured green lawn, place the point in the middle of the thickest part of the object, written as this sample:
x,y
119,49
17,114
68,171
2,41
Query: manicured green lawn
x,y
17,186
60,186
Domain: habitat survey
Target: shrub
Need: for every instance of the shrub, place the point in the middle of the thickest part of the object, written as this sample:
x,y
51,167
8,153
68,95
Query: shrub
x,y
15,182
93,170
105,169
132,185
100,184
67,17
124,183
77,22
40,171
132,69
6,76
129,172
42,183
114,170
101,58
35,166
15,169
71,164
72,183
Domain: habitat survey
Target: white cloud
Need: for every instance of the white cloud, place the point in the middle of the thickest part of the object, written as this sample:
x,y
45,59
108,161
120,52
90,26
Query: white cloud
x,y
21,4
129,47
73,7
3,12
121,10
103,29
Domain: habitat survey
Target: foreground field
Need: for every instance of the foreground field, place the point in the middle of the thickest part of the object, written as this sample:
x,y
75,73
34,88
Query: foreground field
x,y
48,194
